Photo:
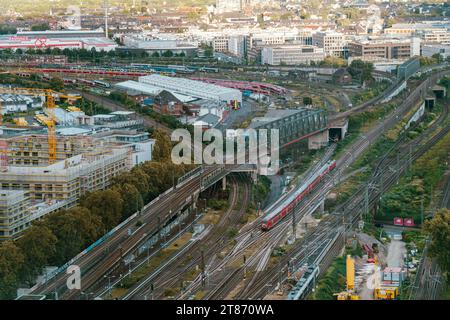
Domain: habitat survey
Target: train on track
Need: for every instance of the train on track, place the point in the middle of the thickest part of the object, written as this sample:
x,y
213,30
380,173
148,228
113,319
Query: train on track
x,y
281,208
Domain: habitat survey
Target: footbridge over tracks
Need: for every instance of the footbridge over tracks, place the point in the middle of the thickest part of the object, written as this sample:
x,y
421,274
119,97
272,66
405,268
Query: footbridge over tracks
x,y
294,125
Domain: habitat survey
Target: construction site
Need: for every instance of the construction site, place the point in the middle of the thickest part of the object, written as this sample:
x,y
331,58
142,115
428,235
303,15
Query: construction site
x,y
46,168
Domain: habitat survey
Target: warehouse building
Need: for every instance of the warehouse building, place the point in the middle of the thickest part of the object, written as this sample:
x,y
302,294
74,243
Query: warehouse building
x,y
192,88
89,39
185,90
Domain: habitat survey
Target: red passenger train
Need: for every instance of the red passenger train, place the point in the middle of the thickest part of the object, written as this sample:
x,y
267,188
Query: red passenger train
x,y
280,209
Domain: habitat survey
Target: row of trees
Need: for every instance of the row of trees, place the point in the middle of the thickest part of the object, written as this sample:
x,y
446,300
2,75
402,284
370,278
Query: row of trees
x,y
439,230
93,54
59,236
434,59
6,29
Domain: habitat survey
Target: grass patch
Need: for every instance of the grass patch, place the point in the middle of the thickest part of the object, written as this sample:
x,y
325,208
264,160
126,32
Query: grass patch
x,y
332,282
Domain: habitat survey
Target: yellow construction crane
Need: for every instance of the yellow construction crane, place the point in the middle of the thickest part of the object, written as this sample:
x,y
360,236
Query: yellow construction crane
x,y
349,294
51,122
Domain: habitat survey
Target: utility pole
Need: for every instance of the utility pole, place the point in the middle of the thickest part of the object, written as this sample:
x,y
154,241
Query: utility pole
x,y
294,231
203,267
366,200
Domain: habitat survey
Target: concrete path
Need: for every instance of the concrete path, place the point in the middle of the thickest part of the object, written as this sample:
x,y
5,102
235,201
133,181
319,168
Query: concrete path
x,y
396,250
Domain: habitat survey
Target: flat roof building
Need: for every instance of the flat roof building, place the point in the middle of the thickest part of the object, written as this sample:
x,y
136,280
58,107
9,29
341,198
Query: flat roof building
x,y
385,47
333,43
67,39
291,54
192,88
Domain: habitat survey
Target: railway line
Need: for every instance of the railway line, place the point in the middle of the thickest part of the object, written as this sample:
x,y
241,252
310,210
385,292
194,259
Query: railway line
x,y
212,243
429,281
108,254
356,202
355,205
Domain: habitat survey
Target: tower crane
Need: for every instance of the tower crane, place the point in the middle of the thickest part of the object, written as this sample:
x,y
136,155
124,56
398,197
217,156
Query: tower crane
x,y
51,122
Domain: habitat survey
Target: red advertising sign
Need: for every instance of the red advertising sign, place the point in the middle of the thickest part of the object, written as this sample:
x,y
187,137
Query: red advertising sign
x,y
398,221
409,222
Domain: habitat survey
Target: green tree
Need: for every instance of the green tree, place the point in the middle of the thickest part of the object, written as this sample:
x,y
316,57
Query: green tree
x,y
335,62
362,70
11,261
38,245
439,230
138,178
132,199
57,84
437,57
75,229
40,27
307,101
6,29
167,54
106,204
163,146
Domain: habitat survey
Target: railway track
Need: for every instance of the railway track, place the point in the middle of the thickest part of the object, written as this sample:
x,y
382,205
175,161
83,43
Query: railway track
x,y
356,203
106,257
211,244
108,254
429,282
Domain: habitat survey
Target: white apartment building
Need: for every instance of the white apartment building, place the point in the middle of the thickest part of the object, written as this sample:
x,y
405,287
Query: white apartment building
x,y
19,103
291,54
333,43
438,36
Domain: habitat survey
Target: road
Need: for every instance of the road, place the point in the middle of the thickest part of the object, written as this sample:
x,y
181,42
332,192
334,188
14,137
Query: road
x,y
396,250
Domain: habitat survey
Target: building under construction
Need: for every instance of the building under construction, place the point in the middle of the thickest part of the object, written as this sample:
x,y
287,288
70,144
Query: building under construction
x,y
32,186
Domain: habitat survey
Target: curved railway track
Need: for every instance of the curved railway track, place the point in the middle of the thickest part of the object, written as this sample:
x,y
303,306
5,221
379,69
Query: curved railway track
x,y
212,243
355,204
